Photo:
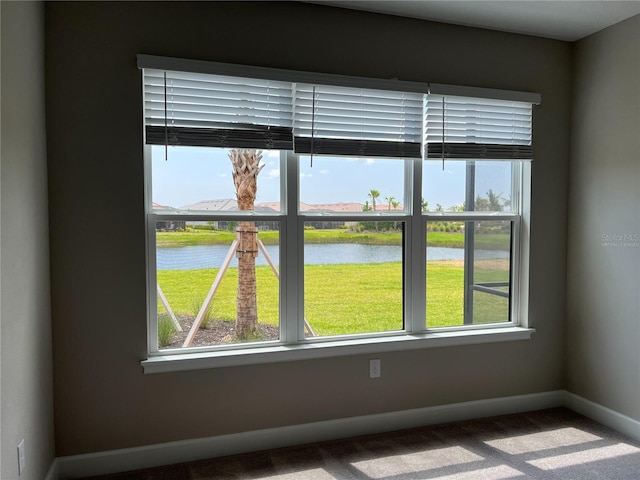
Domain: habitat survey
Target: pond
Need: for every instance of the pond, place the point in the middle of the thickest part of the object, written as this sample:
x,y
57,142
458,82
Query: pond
x,y
212,256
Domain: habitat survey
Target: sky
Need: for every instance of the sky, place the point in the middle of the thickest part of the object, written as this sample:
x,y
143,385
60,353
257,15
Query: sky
x,y
193,174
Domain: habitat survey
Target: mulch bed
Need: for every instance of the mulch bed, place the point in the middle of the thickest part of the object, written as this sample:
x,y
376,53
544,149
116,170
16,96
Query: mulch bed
x,y
218,332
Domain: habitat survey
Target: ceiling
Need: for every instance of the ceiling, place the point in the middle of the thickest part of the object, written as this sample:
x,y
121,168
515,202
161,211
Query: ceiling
x,y
567,20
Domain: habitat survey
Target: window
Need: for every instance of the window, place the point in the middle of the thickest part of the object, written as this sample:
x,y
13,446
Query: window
x,y
478,184
286,211
353,283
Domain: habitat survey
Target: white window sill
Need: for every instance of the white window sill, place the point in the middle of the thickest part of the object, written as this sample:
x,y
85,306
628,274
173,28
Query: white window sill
x,y
202,360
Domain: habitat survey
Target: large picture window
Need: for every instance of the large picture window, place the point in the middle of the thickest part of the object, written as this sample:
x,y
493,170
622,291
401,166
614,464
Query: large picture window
x,y
285,212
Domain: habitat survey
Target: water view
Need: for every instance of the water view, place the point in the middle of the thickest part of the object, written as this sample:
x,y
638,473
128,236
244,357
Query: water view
x,y
212,256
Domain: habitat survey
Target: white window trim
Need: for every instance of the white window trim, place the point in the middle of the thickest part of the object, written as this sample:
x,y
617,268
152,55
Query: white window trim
x,y
335,348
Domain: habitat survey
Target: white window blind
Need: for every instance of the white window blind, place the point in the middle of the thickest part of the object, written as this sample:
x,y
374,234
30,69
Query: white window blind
x,y
196,109
339,120
477,128
202,108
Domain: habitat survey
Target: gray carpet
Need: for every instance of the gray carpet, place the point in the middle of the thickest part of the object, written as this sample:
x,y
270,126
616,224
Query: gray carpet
x,y
549,444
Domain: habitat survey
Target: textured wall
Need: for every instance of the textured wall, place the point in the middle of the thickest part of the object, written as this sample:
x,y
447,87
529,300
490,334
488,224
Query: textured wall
x,y
103,400
603,293
27,384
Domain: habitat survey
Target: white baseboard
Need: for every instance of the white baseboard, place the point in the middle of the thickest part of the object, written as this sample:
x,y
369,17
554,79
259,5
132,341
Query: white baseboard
x,y
52,473
603,415
101,463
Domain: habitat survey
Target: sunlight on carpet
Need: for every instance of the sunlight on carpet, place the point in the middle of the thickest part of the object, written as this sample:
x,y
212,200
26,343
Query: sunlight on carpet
x,y
427,460
584,456
501,472
536,442
311,474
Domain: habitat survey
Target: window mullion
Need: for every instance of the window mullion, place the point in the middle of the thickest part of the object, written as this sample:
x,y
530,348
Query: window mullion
x,y
469,243
416,258
152,275
292,282
520,273
152,287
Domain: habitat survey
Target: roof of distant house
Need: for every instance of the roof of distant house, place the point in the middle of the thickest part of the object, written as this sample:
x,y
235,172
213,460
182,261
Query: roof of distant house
x,y
231,205
223,205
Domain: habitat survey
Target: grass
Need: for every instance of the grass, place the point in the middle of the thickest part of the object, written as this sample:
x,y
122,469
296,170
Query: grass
x,y
345,236
344,299
434,239
348,299
207,237
166,330
445,293
196,305
182,286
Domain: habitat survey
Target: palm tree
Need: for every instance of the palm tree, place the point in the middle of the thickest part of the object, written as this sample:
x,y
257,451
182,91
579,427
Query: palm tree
x,y
390,201
424,205
373,194
491,203
395,204
482,204
495,201
246,167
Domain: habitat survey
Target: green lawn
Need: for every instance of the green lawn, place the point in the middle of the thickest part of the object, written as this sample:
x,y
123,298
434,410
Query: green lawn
x,y
340,299
434,239
206,237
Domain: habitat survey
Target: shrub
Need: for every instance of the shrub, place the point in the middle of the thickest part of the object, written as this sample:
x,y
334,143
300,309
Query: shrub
x,y
196,304
166,331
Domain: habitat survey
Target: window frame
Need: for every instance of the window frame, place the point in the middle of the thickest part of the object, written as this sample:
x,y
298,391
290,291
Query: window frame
x,y
519,216
292,279
406,217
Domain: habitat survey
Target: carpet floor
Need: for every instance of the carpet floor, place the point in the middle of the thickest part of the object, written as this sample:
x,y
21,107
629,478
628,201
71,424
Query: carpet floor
x,y
547,445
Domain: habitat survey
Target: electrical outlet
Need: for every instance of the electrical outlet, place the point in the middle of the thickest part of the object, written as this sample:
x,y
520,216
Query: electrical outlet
x,y
374,368
21,462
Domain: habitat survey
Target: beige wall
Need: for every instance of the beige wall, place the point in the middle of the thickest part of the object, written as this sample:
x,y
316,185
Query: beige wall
x,y
603,295
27,385
103,400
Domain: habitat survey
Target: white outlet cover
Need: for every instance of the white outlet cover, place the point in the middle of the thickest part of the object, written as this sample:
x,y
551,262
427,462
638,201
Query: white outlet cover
x,y
374,368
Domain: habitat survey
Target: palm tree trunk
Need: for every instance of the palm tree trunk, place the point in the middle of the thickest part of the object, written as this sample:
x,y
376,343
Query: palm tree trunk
x,y
246,167
246,302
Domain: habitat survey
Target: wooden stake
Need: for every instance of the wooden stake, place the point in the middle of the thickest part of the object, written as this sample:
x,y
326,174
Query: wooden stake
x,y
212,291
216,284
163,299
275,270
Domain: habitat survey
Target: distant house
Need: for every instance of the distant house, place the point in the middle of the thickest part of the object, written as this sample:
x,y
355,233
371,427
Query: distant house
x,y
169,225
228,205
223,205
231,205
